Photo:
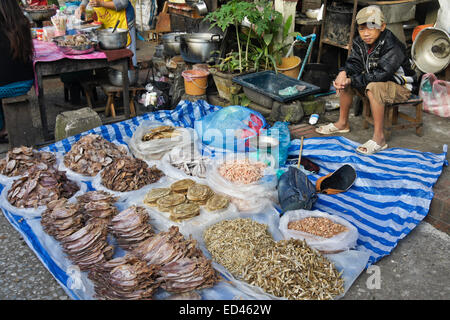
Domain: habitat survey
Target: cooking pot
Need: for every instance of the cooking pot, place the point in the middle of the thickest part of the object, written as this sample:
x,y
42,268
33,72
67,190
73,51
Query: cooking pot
x,y
171,42
201,8
115,77
431,50
198,47
112,41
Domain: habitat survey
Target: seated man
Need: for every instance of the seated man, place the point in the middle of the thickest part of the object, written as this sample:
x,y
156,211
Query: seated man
x,y
378,68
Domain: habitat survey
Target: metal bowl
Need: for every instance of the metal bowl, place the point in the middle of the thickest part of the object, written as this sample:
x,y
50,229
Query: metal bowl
x,y
74,50
112,41
40,15
115,77
431,50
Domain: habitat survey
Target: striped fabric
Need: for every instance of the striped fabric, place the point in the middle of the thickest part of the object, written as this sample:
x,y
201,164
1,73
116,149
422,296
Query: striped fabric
x,y
391,195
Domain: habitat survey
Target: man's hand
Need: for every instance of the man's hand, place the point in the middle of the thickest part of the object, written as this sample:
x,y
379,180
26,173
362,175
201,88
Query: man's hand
x,y
342,81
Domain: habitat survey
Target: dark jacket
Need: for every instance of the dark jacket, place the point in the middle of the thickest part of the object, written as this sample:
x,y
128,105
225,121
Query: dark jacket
x,y
12,70
387,62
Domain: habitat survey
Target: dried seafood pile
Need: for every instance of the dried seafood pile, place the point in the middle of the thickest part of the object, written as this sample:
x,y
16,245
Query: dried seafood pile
x,y
233,243
97,205
19,160
319,226
242,171
61,219
123,278
91,154
184,198
291,269
74,41
88,247
192,164
287,268
40,186
129,174
162,132
183,265
130,227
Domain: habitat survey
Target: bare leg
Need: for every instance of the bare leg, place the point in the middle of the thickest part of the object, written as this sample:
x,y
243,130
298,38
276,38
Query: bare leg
x,y
378,119
345,102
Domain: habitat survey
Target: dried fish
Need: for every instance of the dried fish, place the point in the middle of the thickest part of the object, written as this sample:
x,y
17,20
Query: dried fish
x,y
242,171
162,132
18,161
319,226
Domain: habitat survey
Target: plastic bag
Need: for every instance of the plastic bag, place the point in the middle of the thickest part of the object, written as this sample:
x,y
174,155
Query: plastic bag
x,y
260,188
340,242
155,149
295,191
279,131
441,21
230,128
435,95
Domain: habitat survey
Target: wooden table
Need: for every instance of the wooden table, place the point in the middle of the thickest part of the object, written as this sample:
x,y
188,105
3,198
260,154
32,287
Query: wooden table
x,y
52,68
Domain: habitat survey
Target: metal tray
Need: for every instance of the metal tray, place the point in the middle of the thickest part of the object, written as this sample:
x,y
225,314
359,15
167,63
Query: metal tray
x,y
74,50
269,83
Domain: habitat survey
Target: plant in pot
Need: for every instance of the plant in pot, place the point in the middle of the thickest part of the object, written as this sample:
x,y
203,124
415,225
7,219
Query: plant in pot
x,y
232,14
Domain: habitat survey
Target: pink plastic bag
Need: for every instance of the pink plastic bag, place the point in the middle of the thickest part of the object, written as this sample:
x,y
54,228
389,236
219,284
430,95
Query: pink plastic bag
x,y
436,95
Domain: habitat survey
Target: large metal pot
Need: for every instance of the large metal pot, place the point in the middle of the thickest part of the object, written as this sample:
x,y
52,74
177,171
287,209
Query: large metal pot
x,y
171,42
198,47
115,77
112,41
431,50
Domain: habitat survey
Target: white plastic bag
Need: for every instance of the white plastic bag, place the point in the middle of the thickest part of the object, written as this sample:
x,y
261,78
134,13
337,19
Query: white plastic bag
x,y
342,241
256,189
155,149
444,11
436,95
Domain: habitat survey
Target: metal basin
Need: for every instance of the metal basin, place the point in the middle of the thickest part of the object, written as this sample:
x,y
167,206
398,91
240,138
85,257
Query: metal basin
x,y
198,47
431,50
115,77
40,15
172,42
112,41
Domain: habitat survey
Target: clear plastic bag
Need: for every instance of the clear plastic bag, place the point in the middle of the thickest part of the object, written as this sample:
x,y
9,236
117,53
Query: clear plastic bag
x,y
435,95
340,242
257,189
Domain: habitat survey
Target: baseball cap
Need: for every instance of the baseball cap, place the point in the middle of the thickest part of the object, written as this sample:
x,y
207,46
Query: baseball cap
x,y
370,14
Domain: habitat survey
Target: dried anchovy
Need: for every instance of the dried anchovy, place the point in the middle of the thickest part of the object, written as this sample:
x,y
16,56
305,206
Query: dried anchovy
x,y
233,243
242,171
318,226
128,174
291,269
18,161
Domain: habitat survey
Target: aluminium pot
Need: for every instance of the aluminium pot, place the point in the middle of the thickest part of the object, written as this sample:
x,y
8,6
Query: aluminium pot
x,y
198,47
115,77
171,42
112,41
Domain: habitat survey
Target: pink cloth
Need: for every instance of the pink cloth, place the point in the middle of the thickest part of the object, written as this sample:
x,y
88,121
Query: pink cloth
x,y
48,51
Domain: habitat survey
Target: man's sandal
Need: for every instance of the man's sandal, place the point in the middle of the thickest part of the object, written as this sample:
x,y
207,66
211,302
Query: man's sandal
x,y
330,129
371,147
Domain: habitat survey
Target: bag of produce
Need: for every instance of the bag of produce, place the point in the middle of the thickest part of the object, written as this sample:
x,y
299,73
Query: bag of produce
x,y
322,231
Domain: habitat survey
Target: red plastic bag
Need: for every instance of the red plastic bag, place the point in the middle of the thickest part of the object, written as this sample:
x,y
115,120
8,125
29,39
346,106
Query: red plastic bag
x,y
435,95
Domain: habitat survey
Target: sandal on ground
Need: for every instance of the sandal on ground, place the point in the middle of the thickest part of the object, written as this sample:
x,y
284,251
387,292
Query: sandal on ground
x,y
330,129
371,147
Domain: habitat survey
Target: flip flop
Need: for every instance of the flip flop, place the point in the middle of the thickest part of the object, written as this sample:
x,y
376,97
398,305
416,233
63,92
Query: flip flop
x,y
371,147
330,129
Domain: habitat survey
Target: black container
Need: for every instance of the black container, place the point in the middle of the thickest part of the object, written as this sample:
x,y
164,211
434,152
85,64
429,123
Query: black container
x,y
318,75
338,21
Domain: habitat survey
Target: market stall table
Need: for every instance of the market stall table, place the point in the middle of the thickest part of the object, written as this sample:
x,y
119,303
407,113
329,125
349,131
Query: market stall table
x,y
50,61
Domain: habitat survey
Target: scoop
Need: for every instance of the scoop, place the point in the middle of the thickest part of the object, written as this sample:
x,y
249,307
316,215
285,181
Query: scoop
x,y
115,27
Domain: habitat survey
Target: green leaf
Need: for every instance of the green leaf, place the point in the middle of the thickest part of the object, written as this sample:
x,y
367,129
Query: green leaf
x,y
268,38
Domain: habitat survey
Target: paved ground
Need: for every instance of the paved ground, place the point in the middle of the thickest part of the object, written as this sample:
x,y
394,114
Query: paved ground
x,y
416,269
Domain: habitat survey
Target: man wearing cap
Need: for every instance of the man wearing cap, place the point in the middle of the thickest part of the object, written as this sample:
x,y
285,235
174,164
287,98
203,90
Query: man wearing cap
x,y
378,68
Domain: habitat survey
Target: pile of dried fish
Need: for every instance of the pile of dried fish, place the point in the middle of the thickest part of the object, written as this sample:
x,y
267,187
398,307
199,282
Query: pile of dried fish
x,y
233,243
130,227
242,170
125,278
74,41
319,226
19,160
40,186
162,132
192,164
91,154
61,219
128,174
88,247
97,205
183,265
291,269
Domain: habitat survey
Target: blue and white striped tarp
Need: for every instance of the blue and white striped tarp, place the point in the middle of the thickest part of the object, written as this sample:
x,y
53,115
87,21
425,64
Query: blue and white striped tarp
x,y
391,195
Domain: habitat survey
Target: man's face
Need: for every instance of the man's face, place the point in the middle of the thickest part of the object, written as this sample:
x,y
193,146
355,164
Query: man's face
x,y
369,33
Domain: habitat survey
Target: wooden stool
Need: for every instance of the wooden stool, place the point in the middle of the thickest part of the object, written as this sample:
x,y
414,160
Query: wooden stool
x,y
90,91
391,114
112,91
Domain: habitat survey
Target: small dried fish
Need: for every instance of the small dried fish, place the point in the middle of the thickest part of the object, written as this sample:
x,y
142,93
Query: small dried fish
x,y
242,171
162,132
